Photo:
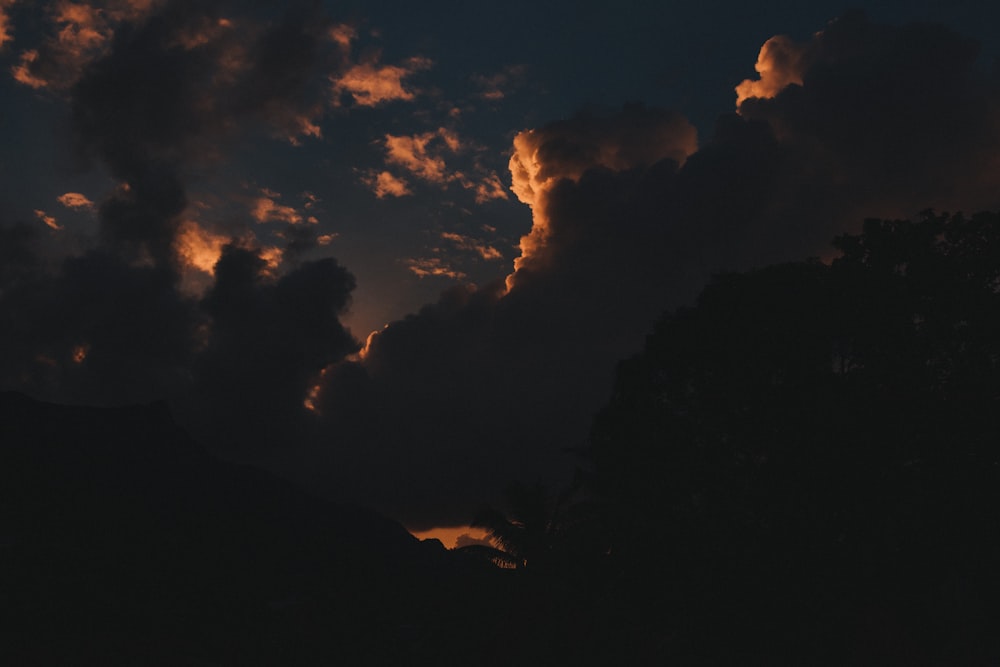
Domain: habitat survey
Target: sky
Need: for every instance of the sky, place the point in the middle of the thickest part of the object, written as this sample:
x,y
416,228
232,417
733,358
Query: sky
x,y
393,251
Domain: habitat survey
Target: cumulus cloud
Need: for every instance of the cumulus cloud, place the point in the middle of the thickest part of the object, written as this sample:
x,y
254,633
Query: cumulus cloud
x,y
780,63
491,376
861,137
440,410
631,216
564,151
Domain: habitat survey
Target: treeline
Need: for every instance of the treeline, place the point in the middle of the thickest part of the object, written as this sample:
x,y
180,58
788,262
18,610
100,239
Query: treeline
x,y
802,468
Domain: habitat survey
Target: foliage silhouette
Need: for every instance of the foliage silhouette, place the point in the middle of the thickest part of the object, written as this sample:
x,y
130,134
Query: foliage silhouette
x,y
807,461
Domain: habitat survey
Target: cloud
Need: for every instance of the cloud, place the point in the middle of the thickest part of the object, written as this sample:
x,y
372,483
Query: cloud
x,y
80,33
342,34
370,84
486,380
47,219
76,201
631,216
266,209
421,154
443,408
432,266
199,248
542,160
861,137
6,29
270,335
172,300
484,250
496,86
781,63
490,188
384,184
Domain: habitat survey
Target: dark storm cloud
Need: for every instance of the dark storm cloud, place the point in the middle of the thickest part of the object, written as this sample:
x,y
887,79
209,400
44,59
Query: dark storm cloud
x,y
269,339
98,330
163,94
443,409
885,120
489,385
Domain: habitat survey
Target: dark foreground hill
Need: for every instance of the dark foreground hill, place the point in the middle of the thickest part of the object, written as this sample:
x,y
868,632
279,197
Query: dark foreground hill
x,y
124,542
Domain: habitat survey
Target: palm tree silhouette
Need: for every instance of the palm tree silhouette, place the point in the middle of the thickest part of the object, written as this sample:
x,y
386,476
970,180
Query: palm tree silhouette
x,y
525,537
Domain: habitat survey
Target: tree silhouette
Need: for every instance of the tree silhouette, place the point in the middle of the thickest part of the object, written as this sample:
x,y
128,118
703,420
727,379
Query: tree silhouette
x,y
525,536
811,452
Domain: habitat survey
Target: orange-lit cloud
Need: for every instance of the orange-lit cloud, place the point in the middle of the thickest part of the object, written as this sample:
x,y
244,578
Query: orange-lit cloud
x,y
302,125
472,245
490,188
272,256
543,158
432,266
342,34
198,247
22,71
47,219
420,153
371,84
326,239
423,156
266,209
385,184
6,29
781,63
76,201
82,31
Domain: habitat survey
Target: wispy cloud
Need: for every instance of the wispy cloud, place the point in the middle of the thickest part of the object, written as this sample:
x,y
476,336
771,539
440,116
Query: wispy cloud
x,y
484,250
49,220
497,86
490,188
265,208
432,266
